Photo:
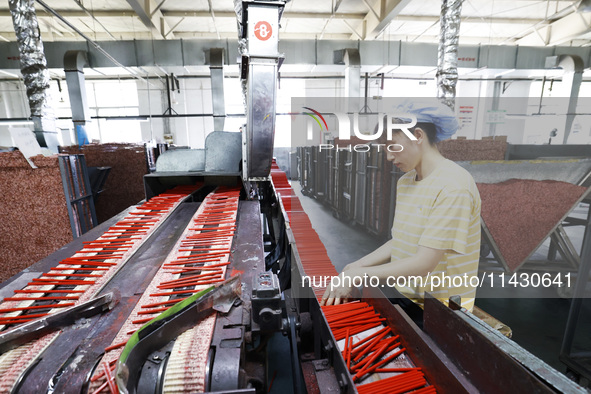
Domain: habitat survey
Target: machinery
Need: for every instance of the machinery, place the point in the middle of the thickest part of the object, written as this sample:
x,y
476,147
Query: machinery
x,y
183,292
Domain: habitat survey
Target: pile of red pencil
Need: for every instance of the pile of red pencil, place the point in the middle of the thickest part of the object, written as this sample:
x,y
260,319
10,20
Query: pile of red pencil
x,y
354,317
372,353
311,250
198,260
412,381
75,278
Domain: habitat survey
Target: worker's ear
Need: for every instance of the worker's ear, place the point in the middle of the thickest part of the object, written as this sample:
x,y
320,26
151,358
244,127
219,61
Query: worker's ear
x,y
420,134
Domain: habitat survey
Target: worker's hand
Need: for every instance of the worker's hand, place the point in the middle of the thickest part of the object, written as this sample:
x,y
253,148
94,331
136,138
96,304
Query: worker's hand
x,y
339,294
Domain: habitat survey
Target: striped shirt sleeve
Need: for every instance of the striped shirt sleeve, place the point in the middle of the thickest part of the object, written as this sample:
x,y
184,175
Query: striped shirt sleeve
x,y
448,224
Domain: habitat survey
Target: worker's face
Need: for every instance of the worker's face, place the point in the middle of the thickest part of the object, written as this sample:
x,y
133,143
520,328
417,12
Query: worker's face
x,y
411,153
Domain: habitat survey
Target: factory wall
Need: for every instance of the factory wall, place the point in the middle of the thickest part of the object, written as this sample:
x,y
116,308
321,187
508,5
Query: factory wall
x,y
194,97
134,97
105,98
473,103
13,104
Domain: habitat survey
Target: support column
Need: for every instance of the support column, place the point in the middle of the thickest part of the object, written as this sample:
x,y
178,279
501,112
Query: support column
x,y
74,63
571,79
352,61
216,61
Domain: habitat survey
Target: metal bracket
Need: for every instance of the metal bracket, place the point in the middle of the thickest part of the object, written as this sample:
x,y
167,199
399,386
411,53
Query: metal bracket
x,y
37,328
169,325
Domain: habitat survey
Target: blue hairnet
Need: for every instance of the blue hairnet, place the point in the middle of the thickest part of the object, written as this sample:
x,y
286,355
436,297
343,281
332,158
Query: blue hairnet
x,y
440,115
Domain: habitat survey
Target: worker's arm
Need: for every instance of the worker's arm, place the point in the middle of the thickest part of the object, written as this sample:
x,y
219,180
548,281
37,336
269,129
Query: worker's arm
x,y
423,262
379,256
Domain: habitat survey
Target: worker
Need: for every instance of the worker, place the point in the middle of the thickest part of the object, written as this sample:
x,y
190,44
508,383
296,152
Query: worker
x,y
436,230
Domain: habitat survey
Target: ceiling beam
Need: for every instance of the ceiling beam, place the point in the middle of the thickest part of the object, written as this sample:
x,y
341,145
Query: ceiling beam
x,y
366,2
558,32
469,19
76,13
286,14
157,8
149,13
89,13
100,36
215,26
388,10
361,35
289,15
193,14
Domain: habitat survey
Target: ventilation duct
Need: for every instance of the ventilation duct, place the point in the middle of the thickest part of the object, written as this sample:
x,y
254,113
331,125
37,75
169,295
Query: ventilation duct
x,y
74,63
216,61
352,61
34,70
573,67
584,6
447,60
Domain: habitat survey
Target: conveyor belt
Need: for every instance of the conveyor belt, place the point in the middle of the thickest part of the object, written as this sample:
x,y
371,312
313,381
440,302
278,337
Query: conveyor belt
x,y
312,252
198,260
79,278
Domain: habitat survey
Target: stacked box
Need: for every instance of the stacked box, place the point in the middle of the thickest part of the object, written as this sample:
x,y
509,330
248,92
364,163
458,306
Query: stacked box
x,y
34,218
468,150
125,184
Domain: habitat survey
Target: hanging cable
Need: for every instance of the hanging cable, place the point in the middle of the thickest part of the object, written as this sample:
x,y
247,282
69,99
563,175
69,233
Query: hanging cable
x,y
94,19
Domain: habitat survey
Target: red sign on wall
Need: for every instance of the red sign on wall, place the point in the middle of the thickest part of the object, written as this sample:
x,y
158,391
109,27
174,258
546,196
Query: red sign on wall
x,y
263,30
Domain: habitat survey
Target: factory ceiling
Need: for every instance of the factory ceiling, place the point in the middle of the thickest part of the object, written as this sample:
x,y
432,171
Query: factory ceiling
x,y
485,22
399,38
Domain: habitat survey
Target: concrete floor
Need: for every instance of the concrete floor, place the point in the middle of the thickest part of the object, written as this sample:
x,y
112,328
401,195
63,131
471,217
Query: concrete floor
x,y
536,316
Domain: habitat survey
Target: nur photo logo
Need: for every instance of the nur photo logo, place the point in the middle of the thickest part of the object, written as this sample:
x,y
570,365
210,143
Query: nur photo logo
x,y
348,125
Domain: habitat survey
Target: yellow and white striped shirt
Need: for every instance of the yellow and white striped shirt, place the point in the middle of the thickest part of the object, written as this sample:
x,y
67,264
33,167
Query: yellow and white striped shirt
x,y
441,211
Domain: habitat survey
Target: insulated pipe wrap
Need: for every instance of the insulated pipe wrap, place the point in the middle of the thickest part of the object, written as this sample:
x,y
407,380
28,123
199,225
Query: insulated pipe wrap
x,y
33,63
447,62
243,50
